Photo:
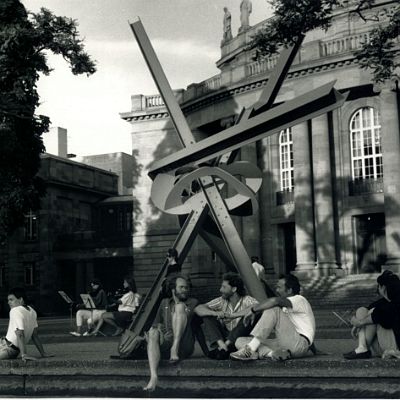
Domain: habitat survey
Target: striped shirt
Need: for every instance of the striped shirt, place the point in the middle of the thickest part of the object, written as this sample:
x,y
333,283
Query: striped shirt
x,y
221,304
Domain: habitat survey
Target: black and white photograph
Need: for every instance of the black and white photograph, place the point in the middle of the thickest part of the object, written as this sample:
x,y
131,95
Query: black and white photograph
x,y
200,199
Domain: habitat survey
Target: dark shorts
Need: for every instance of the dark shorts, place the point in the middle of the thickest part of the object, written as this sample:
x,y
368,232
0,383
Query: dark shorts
x,y
186,346
122,318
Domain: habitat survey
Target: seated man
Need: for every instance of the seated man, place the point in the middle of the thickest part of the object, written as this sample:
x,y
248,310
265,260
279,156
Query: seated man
x,y
22,327
289,315
378,326
171,335
221,316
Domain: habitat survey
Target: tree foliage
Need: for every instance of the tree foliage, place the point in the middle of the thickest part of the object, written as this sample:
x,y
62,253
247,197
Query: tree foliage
x,y
24,39
294,17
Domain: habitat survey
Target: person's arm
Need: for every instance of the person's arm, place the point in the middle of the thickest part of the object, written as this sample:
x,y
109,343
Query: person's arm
x,y
358,323
37,342
22,344
202,310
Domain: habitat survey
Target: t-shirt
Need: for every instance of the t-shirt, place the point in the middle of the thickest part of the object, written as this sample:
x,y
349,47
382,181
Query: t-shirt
x,y
302,316
23,319
164,317
221,304
258,269
387,314
129,302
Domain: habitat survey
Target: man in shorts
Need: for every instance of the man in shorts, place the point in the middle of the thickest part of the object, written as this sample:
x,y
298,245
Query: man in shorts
x,y
171,335
22,327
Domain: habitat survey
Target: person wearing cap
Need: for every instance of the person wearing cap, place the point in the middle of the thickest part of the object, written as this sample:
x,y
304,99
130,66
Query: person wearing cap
x,y
91,316
22,327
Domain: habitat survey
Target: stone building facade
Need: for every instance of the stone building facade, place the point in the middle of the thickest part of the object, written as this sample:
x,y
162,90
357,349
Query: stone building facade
x,y
83,229
329,203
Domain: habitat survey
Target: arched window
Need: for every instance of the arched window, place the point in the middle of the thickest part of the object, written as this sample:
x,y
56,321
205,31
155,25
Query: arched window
x,y
365,142
286,159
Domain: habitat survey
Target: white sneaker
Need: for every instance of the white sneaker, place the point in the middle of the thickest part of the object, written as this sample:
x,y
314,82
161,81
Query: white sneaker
x,y
75,334
86,333
245,354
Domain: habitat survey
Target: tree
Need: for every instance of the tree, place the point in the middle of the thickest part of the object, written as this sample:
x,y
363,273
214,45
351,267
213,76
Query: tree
x,y
24,39
294,17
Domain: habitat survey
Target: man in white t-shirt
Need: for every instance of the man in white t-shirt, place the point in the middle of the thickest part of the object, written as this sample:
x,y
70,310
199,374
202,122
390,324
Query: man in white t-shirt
x,y
22,327
289,315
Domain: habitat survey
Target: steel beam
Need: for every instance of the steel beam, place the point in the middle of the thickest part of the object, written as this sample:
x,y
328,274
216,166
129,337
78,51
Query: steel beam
x,y
286,115
175,112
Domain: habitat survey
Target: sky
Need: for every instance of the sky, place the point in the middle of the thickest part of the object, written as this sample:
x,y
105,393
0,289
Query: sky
x,y
186,35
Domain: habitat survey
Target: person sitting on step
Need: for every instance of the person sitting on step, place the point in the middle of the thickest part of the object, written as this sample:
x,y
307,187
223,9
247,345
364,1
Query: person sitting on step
x,y
91,316
127,305
291,317
171,335
22,327
222,324
377,327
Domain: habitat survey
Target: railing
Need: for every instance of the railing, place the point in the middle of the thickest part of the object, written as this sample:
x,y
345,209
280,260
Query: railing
x,y
365,186
262,66
213,83
343,45
284,197
154,101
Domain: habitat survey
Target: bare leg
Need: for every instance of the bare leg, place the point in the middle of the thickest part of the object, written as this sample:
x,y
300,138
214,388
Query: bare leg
x,y
98,327
367,333
179,321
153,354
111,321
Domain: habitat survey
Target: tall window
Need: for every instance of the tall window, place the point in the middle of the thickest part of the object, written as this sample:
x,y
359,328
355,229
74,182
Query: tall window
x,y
29,274
286,160
31,226
3,275
365,138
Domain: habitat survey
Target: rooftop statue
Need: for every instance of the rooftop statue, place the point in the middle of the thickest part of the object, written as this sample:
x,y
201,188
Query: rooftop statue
x,y
227,26
245,11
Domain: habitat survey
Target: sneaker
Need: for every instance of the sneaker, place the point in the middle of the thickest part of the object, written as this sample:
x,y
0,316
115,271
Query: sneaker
x,y
75,334
87,333
352,355
245,354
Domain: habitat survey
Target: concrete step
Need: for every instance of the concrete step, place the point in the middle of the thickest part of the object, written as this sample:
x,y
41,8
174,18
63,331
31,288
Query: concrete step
x,y
82,370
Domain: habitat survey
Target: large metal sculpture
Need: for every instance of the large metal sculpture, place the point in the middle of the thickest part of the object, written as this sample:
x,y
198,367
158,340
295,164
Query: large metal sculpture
x,y
189,182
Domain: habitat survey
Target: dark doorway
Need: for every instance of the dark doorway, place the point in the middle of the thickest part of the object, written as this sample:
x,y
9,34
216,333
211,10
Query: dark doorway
x,y
289,246
370,242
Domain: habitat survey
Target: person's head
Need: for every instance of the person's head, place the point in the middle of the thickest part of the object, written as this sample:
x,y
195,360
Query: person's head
x,y
172,255
287,285
130,284
225,9
254,259
232,283
95,284
180,284
17,297
389,286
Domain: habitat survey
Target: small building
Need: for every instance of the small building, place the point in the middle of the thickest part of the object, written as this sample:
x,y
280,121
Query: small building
x,y
83,229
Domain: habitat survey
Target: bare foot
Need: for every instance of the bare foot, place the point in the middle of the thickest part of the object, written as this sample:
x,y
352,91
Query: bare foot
x,y
174,354
222,345
150,387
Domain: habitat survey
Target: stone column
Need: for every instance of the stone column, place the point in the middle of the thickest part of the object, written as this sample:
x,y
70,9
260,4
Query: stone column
x,y
391,173
323,209
303,200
